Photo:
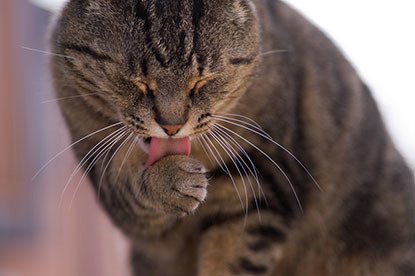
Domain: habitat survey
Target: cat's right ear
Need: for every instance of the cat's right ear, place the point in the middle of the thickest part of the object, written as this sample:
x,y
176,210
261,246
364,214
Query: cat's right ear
x,y
243,10
91,6
96,6
81,5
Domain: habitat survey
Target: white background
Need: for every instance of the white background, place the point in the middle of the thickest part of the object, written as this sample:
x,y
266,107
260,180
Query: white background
x,y
379,38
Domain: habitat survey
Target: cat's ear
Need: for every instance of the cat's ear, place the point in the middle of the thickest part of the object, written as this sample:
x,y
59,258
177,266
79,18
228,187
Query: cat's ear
x,y
243,10
89,5
94,6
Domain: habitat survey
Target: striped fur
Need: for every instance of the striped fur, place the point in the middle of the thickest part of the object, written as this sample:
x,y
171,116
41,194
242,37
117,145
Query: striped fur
x,y
193,61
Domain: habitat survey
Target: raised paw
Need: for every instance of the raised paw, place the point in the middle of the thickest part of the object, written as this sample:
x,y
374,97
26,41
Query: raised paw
x,y
176,184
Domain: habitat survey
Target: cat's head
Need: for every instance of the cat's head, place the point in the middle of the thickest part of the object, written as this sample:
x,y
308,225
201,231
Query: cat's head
x,y
160,66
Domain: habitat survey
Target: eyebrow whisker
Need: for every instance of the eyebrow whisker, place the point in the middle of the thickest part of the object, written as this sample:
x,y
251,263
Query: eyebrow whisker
x,y
45,52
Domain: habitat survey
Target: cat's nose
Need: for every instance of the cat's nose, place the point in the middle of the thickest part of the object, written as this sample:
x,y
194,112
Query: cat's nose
x,y
171,129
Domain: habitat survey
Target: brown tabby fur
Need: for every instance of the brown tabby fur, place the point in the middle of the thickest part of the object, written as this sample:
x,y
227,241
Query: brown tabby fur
x,y
143,58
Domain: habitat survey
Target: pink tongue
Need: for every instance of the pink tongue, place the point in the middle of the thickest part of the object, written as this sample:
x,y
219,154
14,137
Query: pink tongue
x,y
162,147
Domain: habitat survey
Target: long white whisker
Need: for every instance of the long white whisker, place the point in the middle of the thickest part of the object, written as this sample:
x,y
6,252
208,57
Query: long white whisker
x,y
101,144
71,145
228,119
229,137
278,145
70,97
130,149
45,52
235,159
224,167
204,149
273,52
106,156
270,159
213,155
252,171
110,160
237,168
241,116
107,147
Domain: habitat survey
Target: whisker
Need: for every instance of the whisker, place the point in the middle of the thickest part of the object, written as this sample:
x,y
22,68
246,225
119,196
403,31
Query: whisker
x,y
45,52
235,159
273,52
106,156
241,149
101,144
106,148
236,166
224,167
254,170
213,155
130,149
243,117
69,97
228,119
110,160
269,138
204,149
270,159
71,145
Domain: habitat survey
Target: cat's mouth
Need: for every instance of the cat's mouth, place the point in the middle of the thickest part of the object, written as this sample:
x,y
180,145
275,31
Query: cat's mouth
x,y
157,148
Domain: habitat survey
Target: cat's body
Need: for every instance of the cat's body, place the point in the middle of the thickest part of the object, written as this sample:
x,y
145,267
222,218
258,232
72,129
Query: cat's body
x,y
308,99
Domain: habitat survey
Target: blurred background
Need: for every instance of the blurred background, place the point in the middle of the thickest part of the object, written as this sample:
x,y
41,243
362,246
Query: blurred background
x,y
39,238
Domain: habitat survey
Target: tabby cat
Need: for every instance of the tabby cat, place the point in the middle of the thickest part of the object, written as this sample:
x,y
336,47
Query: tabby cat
x,y
169,99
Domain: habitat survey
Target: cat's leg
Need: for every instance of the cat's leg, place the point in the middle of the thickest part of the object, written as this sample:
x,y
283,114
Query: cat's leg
x,y
236,239
246,248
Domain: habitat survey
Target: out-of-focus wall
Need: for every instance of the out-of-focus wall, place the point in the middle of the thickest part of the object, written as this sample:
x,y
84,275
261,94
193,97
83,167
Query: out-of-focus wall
x,y
39,236
10,128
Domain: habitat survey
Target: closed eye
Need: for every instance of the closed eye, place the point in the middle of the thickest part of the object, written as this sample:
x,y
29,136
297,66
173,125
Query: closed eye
x,y
146,85
142,86
197,83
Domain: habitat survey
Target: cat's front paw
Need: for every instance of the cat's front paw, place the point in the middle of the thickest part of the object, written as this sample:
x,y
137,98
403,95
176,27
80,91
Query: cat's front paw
x,y
176,184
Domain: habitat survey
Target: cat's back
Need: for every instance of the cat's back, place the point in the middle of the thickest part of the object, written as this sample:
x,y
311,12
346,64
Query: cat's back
x,y
368,196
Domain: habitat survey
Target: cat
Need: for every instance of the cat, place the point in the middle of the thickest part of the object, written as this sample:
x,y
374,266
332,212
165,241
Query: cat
x,y
231,137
